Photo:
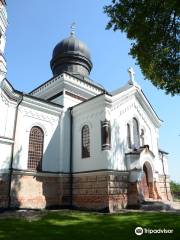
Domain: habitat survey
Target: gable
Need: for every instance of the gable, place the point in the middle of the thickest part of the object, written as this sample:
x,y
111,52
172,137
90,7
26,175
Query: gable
x,y
137,99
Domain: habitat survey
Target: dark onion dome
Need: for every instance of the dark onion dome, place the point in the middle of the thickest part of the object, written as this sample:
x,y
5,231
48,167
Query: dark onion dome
x,y
71,55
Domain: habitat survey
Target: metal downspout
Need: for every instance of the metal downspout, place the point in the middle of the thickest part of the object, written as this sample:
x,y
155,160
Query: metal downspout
x,y
165,177
71,158
12,153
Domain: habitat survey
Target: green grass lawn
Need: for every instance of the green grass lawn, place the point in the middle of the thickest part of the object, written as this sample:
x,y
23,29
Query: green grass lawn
x,y
77,225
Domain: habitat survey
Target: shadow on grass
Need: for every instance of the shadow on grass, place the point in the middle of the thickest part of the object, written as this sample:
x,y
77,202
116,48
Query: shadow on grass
x,y
86,226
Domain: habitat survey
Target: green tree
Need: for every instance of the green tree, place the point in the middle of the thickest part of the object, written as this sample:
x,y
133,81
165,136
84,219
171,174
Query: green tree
x,y
175,187
153,25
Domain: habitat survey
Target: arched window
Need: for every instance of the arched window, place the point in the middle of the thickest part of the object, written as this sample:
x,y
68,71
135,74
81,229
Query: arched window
x,y
128,135
136,133
35,152
85,138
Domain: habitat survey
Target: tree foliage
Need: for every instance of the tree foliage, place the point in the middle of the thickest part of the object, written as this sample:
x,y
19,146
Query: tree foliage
x,y
175,187
153,25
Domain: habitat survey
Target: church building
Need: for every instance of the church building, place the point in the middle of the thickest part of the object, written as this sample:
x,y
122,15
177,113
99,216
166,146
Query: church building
x,y
72,143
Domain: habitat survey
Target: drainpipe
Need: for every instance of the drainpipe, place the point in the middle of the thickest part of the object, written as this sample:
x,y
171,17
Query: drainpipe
x,y
164,176
71,157
12,152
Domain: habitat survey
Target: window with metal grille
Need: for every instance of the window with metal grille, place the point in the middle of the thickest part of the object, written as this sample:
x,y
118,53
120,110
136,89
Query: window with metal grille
x,y
129,135
35,152
136,133
85,136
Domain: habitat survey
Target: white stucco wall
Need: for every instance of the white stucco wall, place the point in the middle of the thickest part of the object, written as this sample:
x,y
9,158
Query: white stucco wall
x,y
50,124
122,112
90,113
65,143
66,101
2,43
5,155
70,101
119,113
7,115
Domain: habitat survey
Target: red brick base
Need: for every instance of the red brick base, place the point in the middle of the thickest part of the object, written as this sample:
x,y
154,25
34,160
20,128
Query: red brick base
x,y
36,191
134,194
100,191
106,190
93,202
4,190
157,191
163,188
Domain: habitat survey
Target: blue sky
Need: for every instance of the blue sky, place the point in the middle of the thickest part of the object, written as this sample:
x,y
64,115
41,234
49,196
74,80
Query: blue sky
x,y
36,26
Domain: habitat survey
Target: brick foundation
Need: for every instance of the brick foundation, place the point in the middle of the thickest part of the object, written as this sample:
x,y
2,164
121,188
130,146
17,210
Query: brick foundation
x,y
163,188
118,190
100,190
159,190
134,194
4,190
105,190
38,190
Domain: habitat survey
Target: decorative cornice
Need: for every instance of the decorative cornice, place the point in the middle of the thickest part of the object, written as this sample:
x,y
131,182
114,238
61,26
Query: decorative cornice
x,y
40,112
45,85
145,104
37,115
27,172
6,140
69,79
100,171
59,174
122,98
42,101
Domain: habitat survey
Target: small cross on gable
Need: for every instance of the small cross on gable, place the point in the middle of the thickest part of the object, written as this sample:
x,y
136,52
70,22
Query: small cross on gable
x,y
132,78
131,74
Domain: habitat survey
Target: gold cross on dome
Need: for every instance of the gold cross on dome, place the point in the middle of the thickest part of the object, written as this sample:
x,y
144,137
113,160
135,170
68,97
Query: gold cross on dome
x,y
73,28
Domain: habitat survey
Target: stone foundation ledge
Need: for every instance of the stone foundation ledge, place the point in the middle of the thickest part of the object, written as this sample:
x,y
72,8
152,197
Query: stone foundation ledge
x,y
100,190
39,173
